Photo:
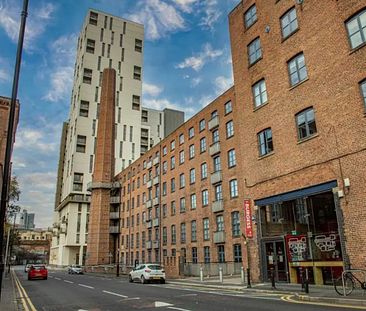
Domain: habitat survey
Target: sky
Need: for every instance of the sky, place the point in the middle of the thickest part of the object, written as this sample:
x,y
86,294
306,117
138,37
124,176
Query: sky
x,y
187,64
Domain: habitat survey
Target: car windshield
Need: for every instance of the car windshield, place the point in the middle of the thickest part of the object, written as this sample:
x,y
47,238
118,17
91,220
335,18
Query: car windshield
x,y
154,267
77,267
39,267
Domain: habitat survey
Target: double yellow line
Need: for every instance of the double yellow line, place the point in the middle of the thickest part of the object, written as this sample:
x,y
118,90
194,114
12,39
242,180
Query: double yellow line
x,y
27,303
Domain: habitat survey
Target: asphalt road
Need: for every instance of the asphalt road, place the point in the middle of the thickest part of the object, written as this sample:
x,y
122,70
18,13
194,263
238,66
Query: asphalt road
x,y
93,293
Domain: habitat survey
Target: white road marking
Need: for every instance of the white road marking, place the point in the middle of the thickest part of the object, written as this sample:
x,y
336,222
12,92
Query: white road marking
x,y
187,295
67,281
180,309
115,294
134,298
162,304
57,279
91,287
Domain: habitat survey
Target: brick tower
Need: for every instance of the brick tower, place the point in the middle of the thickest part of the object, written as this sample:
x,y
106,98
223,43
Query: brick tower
x,y
98,236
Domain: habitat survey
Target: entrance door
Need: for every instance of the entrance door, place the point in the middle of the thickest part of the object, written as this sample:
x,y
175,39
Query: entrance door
x,y
276,260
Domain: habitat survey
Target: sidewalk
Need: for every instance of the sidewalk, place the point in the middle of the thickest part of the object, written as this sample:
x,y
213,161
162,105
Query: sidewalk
x,y
8,296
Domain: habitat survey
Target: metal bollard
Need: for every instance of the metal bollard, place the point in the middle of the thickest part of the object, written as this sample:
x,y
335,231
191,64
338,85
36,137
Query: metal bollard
x,y
201,274
248,278
220,275
307,281
242,274
273,279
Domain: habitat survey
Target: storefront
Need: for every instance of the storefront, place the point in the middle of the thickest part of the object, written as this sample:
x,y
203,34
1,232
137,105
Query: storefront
x,y
299,235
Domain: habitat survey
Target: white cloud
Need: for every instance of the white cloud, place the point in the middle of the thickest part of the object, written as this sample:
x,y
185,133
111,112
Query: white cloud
x,y
185,5
37,21
160,104
196,81
61,83
151,89
212,14
223,83
4,76
159,18
198,61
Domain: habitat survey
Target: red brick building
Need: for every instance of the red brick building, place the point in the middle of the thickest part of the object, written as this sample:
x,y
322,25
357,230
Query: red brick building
x,y
288,140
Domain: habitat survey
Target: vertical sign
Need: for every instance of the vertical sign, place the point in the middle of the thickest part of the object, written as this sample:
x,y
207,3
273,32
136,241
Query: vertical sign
x,y
248,219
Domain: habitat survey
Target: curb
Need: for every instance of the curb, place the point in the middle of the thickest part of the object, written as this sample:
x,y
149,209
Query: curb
x,y
353,302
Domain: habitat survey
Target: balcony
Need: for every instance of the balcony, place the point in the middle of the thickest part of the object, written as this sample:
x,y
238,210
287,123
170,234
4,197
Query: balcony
x,y
214,149
148,203
149,183
216,177
116,185
156,201
219,237
114,229
156,222
149,165
114,215
217,206
156,161
148,224
156,180
115,200
213,123
155,244
149,244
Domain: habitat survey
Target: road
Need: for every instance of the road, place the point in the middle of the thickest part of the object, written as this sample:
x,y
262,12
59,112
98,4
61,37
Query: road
x,y
87,292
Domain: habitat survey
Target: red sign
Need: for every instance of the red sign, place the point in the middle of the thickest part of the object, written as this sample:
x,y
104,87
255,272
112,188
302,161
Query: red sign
x,y
248,219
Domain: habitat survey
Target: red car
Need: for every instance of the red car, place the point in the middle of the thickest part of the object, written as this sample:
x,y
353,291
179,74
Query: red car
x,y
37,272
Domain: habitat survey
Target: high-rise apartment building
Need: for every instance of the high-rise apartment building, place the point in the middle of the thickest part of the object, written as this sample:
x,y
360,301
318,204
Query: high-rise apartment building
x,y
105,41
26,220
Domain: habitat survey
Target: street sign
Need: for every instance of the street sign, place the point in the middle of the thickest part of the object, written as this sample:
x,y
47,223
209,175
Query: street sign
x,y
248,219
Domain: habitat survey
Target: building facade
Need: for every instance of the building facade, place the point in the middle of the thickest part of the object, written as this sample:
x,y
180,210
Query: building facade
x,y
105,41
26,220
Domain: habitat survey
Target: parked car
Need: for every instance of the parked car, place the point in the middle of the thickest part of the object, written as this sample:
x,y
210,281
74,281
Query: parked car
x,y
37,272
27,266
147,272
75,269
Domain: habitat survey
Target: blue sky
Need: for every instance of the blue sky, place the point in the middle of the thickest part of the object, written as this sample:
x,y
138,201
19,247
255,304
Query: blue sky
x,y
187,63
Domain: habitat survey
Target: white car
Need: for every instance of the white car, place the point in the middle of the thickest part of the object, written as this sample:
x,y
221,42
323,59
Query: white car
x,y
147,272
75,269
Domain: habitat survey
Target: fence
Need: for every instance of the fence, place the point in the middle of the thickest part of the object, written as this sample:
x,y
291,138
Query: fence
x,y
212,269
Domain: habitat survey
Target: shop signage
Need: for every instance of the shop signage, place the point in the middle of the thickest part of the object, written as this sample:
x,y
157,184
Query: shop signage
x,y
248,219
297,247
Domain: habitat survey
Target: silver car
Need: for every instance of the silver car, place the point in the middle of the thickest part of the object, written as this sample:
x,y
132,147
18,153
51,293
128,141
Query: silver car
x,y
146,273
75,269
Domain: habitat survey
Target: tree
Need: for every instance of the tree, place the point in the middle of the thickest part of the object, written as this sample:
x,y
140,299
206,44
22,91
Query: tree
x,y
14,194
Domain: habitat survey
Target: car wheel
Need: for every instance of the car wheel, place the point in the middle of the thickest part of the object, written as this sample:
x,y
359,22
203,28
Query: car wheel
x,y
45,278
162,281
143,280
130,279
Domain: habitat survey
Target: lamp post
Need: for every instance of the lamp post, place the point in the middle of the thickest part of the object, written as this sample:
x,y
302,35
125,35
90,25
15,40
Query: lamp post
x,y
246,243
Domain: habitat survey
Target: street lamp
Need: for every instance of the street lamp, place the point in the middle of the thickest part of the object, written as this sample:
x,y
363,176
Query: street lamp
x,y
246,243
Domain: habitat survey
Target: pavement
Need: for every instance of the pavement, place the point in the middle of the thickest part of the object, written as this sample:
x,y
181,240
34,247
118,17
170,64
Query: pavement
x,y
9,298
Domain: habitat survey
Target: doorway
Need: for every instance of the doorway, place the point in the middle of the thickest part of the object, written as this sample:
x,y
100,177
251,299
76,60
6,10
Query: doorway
x,y
275,260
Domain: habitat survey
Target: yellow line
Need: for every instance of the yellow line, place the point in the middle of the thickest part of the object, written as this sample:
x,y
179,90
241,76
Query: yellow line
x,y
20,292
288,298
24,294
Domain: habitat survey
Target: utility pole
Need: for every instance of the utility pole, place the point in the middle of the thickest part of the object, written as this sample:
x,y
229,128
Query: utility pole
x,y
10,138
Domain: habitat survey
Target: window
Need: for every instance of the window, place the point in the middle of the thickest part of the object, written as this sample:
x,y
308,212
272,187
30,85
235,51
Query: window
x,y
215,136
203,170
138,45
233,188
289,23
229,129
206,229
228,107
165,150
231,158
221,253
193,201
135,102
218,192
182,181
363,91
305,121
78,182
182,205
191,151
137,72
172,162
172,208
90,46
250,16
214,114
192,176
183,232
202,125
181,139
172,185
181,157
193,231
237,253
172,145
205,197
164,189
84,108
235,224
265,143
81,143
206,254
194,254
259,91
254,51
356,28
191,133
87,76
203,144
144,116
93,18
220,223
297,69
165,167
217,163
173,234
